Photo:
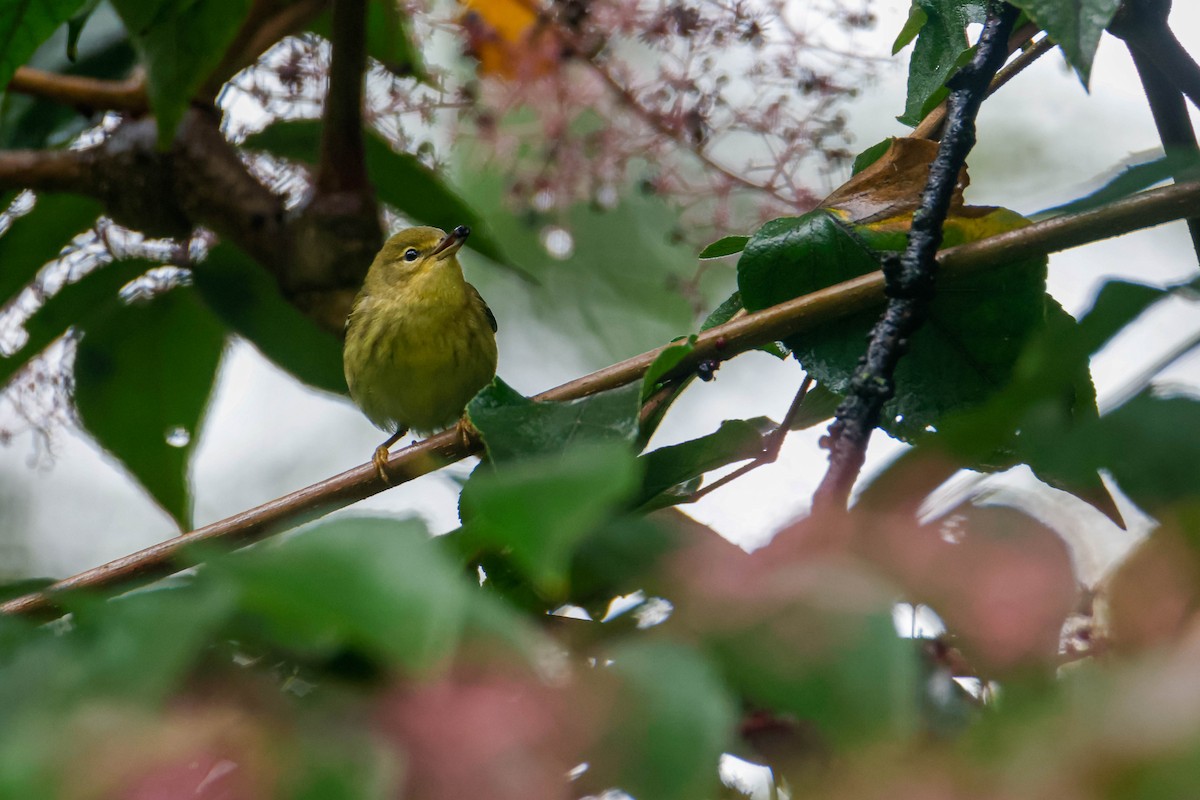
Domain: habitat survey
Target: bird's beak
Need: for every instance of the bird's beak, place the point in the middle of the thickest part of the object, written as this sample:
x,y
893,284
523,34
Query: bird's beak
x,y
451,244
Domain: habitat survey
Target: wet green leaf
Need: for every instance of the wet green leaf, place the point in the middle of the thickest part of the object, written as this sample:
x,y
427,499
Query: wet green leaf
x,y
143,375
25,24
941,48
725,247
735,440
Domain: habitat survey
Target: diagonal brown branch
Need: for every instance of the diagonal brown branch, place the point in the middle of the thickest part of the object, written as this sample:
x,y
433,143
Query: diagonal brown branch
x,y
82,92
723,342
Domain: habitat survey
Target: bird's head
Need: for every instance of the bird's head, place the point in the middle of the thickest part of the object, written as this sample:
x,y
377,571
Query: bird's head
x,y
414,250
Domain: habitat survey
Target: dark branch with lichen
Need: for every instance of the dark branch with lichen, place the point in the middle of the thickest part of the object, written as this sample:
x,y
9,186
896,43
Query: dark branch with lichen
x,y
910,277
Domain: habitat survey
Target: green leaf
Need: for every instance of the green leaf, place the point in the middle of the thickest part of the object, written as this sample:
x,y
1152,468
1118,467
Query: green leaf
x,y
1131,178
674,719
1076,25
912,26
941,48
834,664
515,427
28,122
400,179
142,645
247,299
180,43
25,24
376,586
725,247
965,351
818,405
75,304
869,156
143,374
724,312
39,236
540,509
75,27
666,361
1141,445
735,440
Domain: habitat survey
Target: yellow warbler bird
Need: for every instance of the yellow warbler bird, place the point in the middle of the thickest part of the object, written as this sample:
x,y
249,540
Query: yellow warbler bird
x,y
420,340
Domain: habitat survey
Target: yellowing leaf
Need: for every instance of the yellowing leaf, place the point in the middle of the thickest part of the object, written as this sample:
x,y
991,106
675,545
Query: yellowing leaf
x,y
509,40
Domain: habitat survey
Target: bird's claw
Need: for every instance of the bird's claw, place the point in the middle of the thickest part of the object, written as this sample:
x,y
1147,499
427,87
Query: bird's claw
x,y
380,460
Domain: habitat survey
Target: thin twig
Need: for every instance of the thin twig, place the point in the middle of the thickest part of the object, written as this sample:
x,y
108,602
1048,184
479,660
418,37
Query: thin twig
x,y
719,343
931,126
910,278
771,447
79,91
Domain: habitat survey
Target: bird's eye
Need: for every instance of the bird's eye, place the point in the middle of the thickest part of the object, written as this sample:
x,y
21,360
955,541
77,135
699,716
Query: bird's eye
x,y
411,255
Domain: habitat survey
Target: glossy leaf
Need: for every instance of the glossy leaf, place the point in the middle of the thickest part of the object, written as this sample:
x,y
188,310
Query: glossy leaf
x,y
247,299
539,509
941,48
39,236
674,719
25,24
401,180
180,44
964,352
869,156
376,586
143,375
666,361
516,427
1076,25
75,304
725,247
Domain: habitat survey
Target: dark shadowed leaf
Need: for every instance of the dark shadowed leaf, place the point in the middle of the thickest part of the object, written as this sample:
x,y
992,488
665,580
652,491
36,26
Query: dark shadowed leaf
x,y
1076,25
180,44
143,375
247,299
39,236
24,25
103,51
75,304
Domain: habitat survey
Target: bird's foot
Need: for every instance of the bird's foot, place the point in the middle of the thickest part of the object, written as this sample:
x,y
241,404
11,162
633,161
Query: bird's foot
x,y
468,435
380,460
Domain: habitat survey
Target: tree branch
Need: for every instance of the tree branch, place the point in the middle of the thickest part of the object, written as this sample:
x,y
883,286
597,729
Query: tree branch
x,y
1143,26
720,343
268,22
343,166
78,91
910,278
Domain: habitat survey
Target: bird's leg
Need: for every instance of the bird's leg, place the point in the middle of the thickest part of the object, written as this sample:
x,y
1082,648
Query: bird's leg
x,y
468,434
381,454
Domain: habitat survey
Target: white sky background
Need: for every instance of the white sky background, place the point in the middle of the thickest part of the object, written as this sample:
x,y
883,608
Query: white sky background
x,y
1042,141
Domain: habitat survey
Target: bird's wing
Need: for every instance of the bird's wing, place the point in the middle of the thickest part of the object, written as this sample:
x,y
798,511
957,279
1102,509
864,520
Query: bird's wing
x,y
491,317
